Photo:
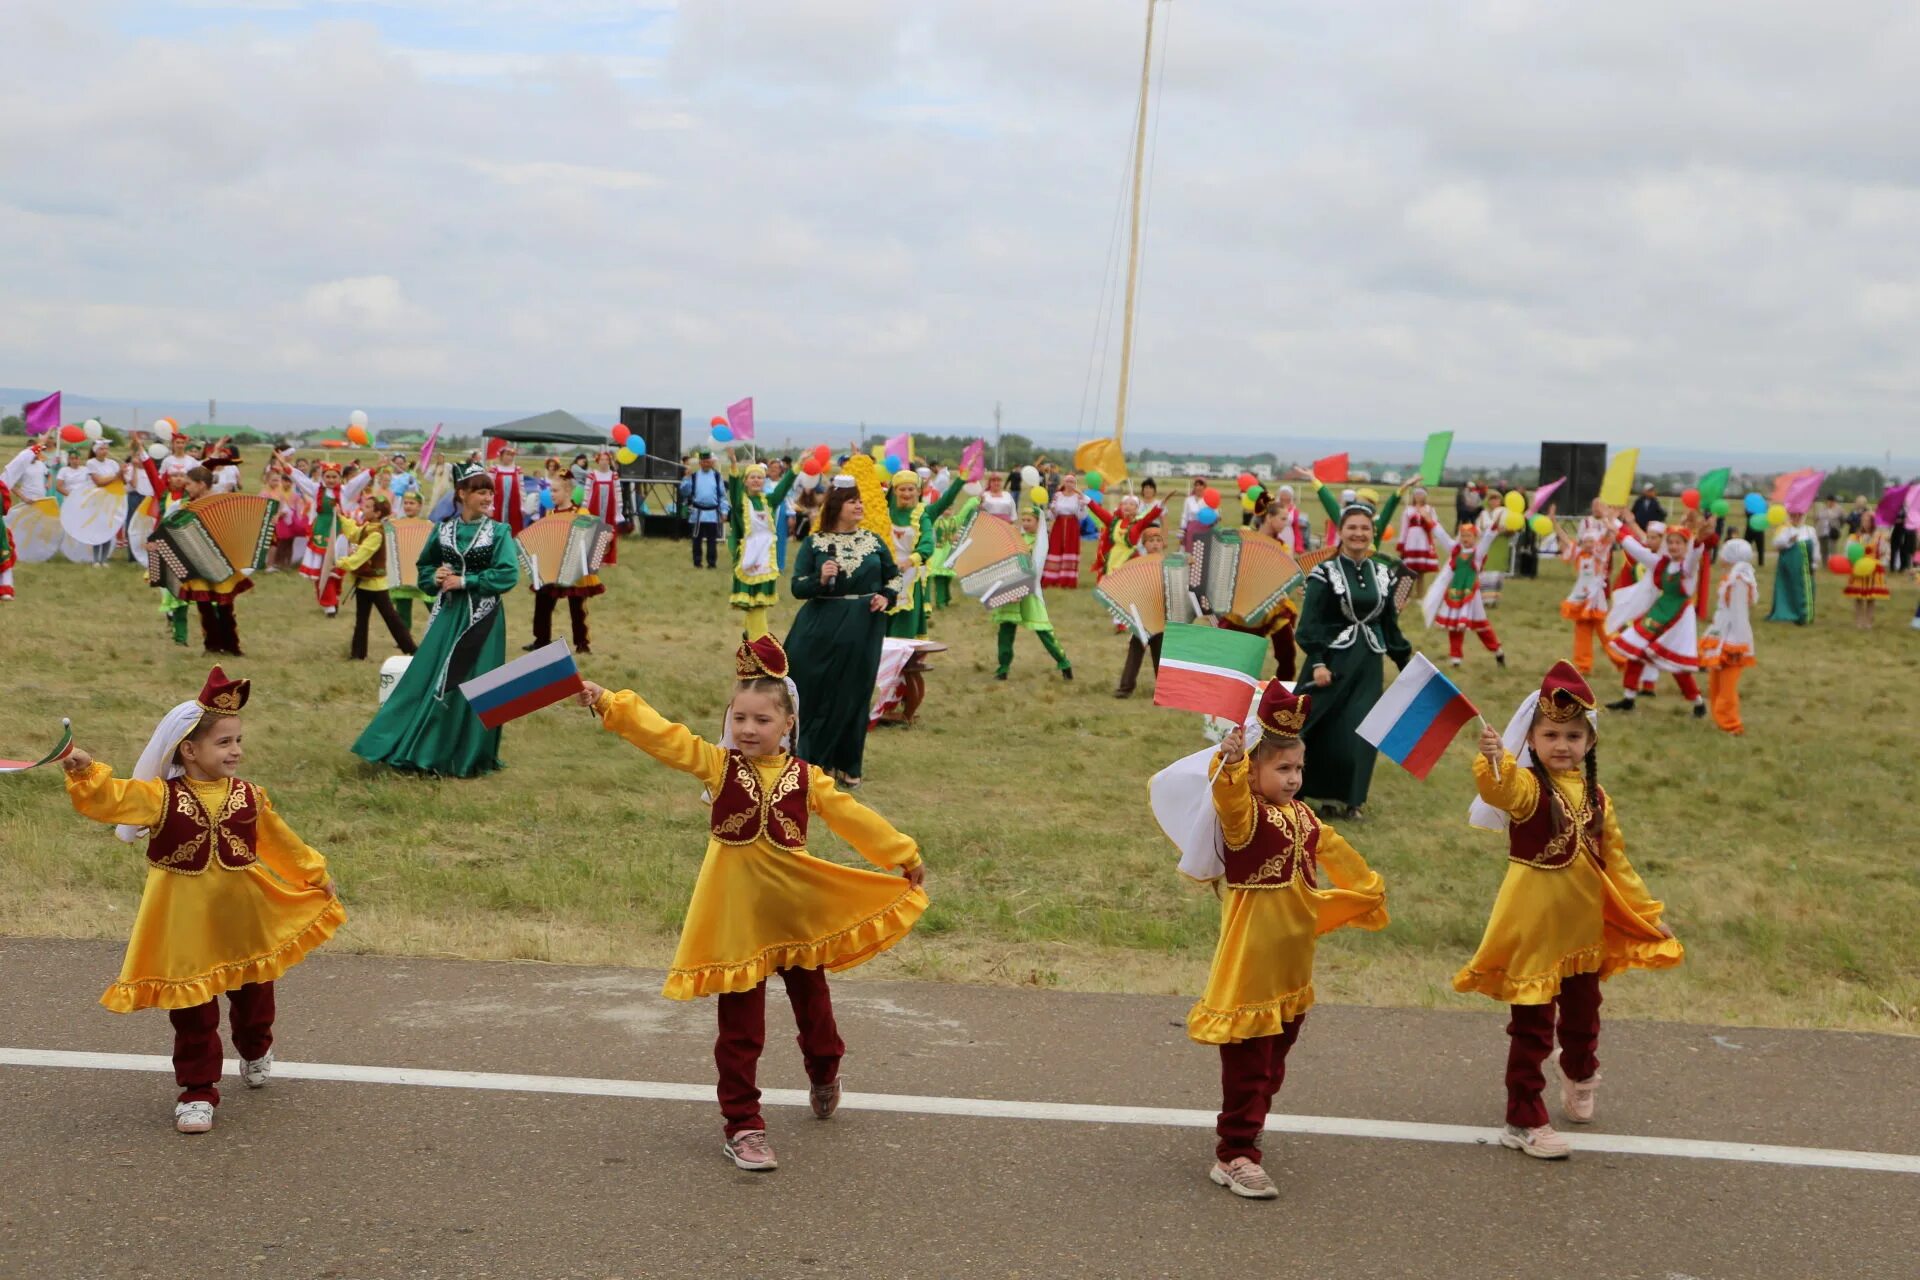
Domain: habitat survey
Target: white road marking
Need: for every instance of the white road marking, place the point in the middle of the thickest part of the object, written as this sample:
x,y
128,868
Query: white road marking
x,y
994,1109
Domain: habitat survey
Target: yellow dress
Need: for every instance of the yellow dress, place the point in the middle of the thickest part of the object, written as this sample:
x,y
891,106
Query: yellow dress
x,y
1262,975
758,908
198,935
1550,924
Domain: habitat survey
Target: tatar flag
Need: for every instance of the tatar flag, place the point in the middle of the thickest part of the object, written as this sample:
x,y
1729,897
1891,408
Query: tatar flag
x,y
527,684
1331,470
1616,486
1417,717
1208,669
42,416
59,751
740,418
1434,460
1104,456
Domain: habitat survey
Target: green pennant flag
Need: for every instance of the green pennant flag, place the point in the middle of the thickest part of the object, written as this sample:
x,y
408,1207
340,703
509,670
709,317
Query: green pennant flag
x,y
1713,486
1434,461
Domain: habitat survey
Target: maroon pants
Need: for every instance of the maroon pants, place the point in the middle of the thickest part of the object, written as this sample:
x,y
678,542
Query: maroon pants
x,y
544,602
743,1034
196,1038
1457,641
219,627
1283,651
1637,671
1251,1072
1530,1035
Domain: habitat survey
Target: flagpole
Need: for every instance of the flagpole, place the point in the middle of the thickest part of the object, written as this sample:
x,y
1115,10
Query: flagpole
x,y
1495,764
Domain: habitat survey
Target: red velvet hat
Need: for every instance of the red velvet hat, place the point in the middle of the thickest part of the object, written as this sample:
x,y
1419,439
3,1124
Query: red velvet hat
x,y
223,696
1564,693
1282,712
762,657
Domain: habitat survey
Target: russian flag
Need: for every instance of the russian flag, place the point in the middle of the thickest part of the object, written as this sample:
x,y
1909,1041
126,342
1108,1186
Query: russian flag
x,y
1415,719
538,680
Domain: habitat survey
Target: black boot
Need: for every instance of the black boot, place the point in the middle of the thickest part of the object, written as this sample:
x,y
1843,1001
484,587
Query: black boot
x,y
1624,704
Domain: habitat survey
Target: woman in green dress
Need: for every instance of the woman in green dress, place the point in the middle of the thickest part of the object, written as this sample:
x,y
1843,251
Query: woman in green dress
x,y
1347,622
846,578
1793,572
468,565
913,546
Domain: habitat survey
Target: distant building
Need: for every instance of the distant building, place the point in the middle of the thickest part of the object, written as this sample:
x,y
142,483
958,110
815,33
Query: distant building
x,y
1262,472
1196,470
1158,469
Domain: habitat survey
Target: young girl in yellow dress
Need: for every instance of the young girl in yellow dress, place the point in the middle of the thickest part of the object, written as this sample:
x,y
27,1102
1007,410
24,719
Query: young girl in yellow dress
x,y
1867,583
1571,911
233,897
1270,851
764,905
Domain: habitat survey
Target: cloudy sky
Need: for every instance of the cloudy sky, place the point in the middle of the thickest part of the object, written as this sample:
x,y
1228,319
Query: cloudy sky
x,y
1644,221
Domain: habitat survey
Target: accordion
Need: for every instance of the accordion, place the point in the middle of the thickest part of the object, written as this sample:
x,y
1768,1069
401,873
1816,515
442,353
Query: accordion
x,y
1148,592
1241,577
560,550
405,538
211,539
991,561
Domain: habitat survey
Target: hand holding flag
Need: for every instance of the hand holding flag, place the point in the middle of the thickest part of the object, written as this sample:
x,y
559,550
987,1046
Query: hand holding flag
x,y
1417,717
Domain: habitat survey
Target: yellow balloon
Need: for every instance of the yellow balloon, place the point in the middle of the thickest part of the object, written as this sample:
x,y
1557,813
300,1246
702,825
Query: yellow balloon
x,y
1037,496
1542,526
1776,515
1865,567
1511,520
1515,501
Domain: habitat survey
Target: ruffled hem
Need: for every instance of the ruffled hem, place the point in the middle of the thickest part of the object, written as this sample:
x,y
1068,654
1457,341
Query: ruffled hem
x,y
843,950
186,993
752,599
1247,1021
1574,611
1656,953
1866,593
1535,988
1415,562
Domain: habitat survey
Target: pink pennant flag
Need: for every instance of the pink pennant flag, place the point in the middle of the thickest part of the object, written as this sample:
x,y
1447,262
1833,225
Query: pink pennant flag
x,y
1803,492
42,415
740,418
426,450
900,447
1892,502
973,461
1913,507
1541,495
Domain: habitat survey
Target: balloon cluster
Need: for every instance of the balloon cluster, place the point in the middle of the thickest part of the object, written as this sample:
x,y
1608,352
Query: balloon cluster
x,y
722,429
628,448
1855,562
813,466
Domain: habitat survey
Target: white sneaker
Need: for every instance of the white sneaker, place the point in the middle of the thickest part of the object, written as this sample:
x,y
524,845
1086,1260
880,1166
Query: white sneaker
x,y
255,1071
193,1117
1541,1143
1244,1178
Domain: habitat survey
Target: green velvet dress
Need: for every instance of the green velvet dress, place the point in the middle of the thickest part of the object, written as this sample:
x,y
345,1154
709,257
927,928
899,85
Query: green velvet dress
x,y
1347,623
833,650
913,536
426,725
1793,581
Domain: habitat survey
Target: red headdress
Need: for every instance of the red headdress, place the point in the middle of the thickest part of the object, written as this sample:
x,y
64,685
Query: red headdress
x,y
762,658
1564,693
223,696
1282,713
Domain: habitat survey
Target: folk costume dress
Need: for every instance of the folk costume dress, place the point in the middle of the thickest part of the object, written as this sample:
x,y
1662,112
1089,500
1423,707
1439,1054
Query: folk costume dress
x,y
834,644
1063,540
329,500
1453,602
750,540
913,547
1798,547
1586,604
1418,546
426,724
1571,910
1871,585
1347,624
604,499
1029,611
1726,650
1653,622
1119,536
366,566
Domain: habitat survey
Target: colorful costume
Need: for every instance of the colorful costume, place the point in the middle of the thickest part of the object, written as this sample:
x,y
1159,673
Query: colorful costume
x,y
763,904
1586,604
1029,611
1063,539
211,918
1664,633
1119,535
946,529
1453,601
7,557
913,545
1347,623
834,643
1418,525
547,598
509,497
366,567
330,499
1571,910
1727,648
1793,574
750,541
213,601
604,499
1872,584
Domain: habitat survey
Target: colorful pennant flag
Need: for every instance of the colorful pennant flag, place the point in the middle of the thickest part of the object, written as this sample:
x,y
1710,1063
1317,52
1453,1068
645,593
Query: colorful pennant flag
x,y
1713,486
1805,491
1616,487
1434,461
1892,502
426,450
542,678
1541,495
1104,456
1208,669
42,415
973,462
740,418
1417,717
61,750
1331,470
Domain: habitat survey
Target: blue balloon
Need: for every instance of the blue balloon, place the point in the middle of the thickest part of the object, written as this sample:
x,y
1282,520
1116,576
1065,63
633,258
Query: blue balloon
x,y
1207,515
636,444
723,434
894,463
546,499
1755,504
1094,495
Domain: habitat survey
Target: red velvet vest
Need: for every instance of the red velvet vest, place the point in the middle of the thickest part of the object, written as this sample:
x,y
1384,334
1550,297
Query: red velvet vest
x,y
1284,844
188,837
1535,844
743,812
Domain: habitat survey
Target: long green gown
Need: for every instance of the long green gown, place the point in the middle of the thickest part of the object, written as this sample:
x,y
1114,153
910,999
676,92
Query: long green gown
x,y
909,617
1793,582
1347,622
833,650
426,724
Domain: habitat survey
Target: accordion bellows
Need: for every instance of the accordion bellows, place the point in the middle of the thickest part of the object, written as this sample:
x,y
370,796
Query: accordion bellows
x,y
211,539
1147,592
560,550
991,561
406,538
1242,576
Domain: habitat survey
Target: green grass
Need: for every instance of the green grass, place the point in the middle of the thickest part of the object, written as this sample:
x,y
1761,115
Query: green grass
x,y
1785,855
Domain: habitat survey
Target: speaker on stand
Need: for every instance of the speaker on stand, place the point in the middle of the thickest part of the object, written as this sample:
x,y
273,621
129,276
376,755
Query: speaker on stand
x,y
652,485
1584,466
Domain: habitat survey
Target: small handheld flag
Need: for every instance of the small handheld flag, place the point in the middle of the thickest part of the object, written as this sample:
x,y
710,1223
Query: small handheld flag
x,y
1417,717
540,679
740,418
1433,461
1209,669
1332,469
1616,486
61,750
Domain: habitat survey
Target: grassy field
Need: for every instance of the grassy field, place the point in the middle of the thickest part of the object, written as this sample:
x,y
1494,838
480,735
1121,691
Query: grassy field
x,y
1787,866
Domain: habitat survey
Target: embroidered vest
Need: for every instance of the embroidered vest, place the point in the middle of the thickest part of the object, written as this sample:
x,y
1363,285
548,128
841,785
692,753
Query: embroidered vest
x,y
376,564
188,837
744,812
1283,846
1534,843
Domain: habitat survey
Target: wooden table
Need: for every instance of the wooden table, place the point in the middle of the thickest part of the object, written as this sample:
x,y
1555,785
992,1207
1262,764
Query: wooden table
x,y
913,686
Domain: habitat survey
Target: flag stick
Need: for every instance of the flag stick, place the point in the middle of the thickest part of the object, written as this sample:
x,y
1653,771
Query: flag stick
x,y
1494,763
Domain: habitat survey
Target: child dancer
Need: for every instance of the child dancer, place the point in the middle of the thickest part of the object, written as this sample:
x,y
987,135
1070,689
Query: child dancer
x,y
1727,648
1867,584
1153,542
750,537
1586,605
1453,601
946,533
1261,983
330,496
1664,634
214,601
547,598
211,919
1571,911
764,905
367,565
1120,531
402,590
604,499
1418,524
1030,611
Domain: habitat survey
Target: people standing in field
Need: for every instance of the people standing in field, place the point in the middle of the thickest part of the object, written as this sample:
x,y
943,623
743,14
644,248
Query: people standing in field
x,y
1571,911
369,566
1726,650
1867,581
763,905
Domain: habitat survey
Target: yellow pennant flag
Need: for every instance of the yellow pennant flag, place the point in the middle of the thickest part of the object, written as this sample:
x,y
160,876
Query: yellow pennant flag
x,y
1104,456
1616,487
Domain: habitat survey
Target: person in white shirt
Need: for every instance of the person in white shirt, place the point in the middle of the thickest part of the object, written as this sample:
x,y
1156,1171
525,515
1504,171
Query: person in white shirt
x,y
100,471
179,460
26,476
71,479
996,501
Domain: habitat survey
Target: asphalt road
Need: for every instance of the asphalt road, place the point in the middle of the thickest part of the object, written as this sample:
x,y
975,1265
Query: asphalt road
x,y
313,1179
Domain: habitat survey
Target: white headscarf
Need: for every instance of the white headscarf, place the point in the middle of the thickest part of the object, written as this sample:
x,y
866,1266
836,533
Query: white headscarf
x,y
1485,816
157,763
1181,796
786,741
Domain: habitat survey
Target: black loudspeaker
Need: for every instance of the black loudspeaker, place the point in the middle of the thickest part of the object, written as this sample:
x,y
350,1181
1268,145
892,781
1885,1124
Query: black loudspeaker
x,y
652,483
1584,465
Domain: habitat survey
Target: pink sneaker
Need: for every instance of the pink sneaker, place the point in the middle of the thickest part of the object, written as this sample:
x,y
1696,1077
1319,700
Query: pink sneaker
x,y
1576,1098
749,1150
1541,1143
1244,1178
824,1099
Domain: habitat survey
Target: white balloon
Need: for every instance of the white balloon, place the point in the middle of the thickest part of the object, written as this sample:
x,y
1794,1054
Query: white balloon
x,y
156,451
973,489
1030,474
806,481
358,417
163,428
92,427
